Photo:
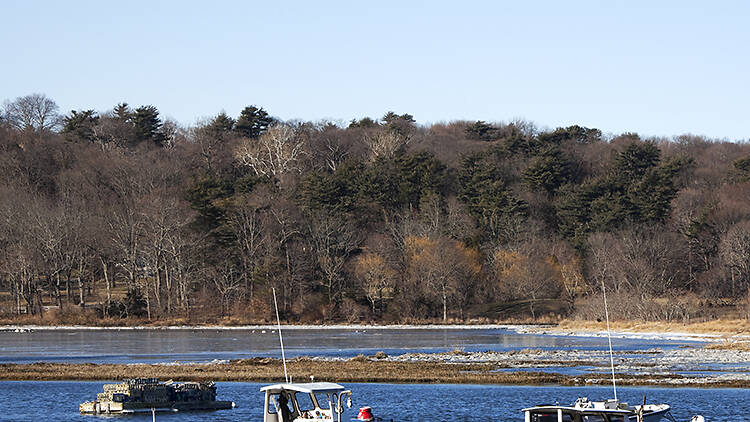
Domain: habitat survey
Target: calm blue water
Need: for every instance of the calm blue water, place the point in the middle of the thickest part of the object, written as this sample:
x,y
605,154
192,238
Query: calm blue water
x,y
58,401
158,345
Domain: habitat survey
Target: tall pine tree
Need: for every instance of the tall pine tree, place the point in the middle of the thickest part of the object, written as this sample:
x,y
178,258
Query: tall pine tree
x,y
122,112
79,126
253,122
148,125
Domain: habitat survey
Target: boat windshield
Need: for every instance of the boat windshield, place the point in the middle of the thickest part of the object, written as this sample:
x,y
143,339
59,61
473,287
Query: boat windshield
x,y
273,403
593,418
550,416
544,417
617,418
304,402
323,400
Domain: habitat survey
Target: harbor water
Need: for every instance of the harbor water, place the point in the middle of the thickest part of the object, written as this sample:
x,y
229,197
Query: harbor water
x,y
58,401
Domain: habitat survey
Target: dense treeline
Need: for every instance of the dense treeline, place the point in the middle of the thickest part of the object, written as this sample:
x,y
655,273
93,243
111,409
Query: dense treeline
x,y
129,215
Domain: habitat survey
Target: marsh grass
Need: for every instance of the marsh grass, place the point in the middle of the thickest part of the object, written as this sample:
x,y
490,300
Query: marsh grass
x,y
730,344
719,326
359,369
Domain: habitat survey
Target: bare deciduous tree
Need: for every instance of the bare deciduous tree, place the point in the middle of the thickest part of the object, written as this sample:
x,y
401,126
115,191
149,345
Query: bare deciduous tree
x,y
438,266
227,281
275,153
246,220
526,272
384,144
734,251
333,241
377,279
334,153
111,131
33,112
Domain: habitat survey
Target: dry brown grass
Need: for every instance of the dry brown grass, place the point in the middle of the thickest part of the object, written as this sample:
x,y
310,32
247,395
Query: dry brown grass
x,y
353,370
730,344
73,315
268,370
89,318
719,326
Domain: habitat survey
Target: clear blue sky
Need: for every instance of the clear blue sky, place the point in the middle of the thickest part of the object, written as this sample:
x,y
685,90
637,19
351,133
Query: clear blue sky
x,y
652,67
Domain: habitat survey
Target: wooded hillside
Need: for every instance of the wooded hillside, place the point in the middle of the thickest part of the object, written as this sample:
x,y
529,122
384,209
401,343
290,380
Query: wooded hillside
x,y
379,219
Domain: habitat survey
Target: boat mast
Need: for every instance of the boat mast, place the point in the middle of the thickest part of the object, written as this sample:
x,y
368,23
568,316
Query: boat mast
x,y
281,340
609,338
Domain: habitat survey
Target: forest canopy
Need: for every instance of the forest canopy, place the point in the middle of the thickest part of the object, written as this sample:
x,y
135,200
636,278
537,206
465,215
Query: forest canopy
x,y
125,214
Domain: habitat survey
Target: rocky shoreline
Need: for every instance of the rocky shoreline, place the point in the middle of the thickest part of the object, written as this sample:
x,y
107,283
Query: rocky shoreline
x,y
691,366
682,366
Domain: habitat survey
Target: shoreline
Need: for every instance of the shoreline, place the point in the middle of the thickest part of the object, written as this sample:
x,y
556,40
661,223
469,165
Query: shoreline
x,y
649,332
716,326
11,327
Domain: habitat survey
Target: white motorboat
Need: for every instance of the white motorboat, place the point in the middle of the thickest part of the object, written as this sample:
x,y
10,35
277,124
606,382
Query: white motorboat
x,y
305,402
650,412
584,410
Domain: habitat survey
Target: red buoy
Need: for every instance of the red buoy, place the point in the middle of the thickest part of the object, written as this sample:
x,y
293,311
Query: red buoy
x,y
365,414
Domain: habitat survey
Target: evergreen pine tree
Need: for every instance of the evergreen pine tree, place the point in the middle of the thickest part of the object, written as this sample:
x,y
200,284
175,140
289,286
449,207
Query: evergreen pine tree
x,y
79,126
253,122
481,131
548,171
122,112
221,124
148,125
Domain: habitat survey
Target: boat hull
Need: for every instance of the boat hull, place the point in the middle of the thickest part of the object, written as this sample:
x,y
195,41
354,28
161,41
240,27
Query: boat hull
x,y
653,416
134,407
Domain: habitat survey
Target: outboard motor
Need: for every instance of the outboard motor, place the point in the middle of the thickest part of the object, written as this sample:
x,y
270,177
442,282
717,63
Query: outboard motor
x,y
365,414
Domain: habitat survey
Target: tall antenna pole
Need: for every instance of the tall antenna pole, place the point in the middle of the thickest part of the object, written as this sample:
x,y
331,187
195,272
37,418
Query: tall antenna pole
x,y
609,338
281,340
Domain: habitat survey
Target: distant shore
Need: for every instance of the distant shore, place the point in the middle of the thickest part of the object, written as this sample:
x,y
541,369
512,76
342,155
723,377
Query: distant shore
x,y
712,331
270,327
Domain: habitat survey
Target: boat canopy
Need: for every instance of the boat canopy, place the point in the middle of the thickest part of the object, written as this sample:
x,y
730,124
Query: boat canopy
x,y
309,387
